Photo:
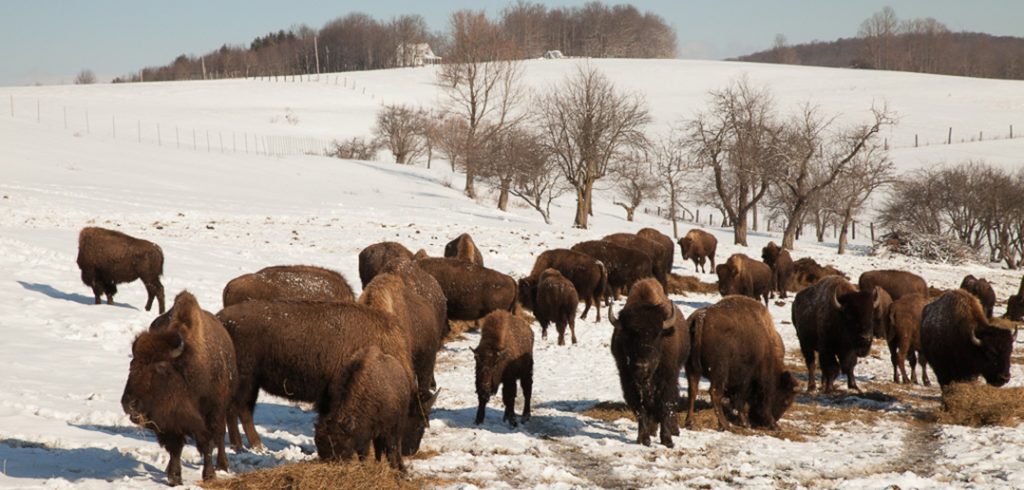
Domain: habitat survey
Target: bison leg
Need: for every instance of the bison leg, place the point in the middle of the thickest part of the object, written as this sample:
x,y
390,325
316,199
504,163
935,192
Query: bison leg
x,y
219,427
924,370
668,428
155,291
544,330
716,402
527,384
829,371
110,289
174,443
380,448
811,375
894,357
586,308
912,357
480,409
245,410
97,290
572,328
560,327
848,364
643,435
508,396
692,384
205,446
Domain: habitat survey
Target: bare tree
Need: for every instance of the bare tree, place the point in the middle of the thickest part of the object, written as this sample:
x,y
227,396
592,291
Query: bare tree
x,y
739,142
85,77
585,123
633,182
538,181
671,167
448,136
879,33
482,84
869,170
509,154
400,129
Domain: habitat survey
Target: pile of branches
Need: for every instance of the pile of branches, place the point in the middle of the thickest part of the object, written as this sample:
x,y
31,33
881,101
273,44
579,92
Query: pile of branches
x,y
943,249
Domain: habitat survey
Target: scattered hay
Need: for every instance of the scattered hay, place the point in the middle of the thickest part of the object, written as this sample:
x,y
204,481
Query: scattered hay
x,y
688,284
318,474
457,328
976,405
704,418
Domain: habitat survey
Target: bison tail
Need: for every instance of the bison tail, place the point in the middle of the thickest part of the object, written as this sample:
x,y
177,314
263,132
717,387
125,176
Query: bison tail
x,y
602,286
696,340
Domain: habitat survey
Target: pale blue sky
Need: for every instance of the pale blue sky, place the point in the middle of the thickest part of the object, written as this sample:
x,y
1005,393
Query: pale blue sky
x,y
50,41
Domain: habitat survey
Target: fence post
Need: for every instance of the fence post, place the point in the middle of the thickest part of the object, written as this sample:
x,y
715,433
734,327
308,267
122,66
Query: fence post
x,y
872,232
207,141
981,136
915,141
949,139
854,230
12,108
65,117
37,111
1011,127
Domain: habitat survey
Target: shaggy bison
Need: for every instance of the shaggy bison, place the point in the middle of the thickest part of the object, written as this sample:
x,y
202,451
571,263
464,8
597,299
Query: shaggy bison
x,y
180,383
373,258
288,283
896,283
651,249
650,344
982,290
472,291
961,343
744,276
697,246
781,264
736,346
464,248
904,338
625,265
588,276
503,357
668,247
835,321
807,272
108,258
1015,304
556,303
369,404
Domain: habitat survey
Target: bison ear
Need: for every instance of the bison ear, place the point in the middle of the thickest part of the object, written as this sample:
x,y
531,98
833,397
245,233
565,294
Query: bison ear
x,y
186,310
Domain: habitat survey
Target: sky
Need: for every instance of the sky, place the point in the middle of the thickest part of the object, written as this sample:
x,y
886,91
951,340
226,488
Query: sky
x,y
49,41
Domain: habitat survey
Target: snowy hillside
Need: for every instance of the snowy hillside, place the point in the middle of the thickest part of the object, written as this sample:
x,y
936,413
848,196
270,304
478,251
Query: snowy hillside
x,y
221,212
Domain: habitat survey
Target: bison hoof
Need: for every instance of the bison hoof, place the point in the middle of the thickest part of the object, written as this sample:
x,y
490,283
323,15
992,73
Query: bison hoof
x,y
646,441
511,420
173,481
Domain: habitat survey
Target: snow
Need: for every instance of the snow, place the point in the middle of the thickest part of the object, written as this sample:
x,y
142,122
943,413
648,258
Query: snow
x,y
218,215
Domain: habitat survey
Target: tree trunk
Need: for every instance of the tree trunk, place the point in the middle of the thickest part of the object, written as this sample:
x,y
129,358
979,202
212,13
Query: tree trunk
x,y
581,209
400,158
739,229
503,195
843,232
789,235
672,213
819,227
470,177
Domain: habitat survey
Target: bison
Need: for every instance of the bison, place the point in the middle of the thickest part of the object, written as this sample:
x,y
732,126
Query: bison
x,y
1015,304
288,283
464,248
503,357
744,276
108,258
472,291
835,321
625,265
182,376
373,258
904,338
668,247
298,349
651,249
698,245
650,344
807,272
781,264
369,404
982,290
896,283
961,343
736,346
556,303
588,275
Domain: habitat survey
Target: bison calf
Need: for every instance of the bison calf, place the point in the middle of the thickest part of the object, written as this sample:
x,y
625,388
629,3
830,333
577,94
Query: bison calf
x,y
736,347
744,276
556,302
781,264
180,383
464,248
588,276
288,283
108,258
982,290
698,246
503,357
368,405
961,343
904,338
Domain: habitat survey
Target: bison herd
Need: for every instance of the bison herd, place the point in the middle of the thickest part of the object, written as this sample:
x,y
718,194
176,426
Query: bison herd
x,y
366,363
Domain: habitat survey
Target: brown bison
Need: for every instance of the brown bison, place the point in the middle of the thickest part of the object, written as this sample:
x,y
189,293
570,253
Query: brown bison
x,y
625,266
588,276
288,283
180,383
982,290
369,404
651,249
904,338
961,343
781,264
503,357
650,344
297,350
896,283
1015,304
668,247
464,248
807,272
373,258
697,246
835,321
556,303
736,346
472,291
744,276
108,258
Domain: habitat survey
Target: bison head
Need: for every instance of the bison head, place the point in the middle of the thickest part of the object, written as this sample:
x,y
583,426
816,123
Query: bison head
x,y
996,345
686,247
726,275
1015,308
334,438
490,364
774,401
642,328
155,395
770,254
417,421
527,291
859,312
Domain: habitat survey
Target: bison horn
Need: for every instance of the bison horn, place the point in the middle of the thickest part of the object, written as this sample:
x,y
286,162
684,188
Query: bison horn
x,y
612,318
178,349
835,300
876,299
975,340
671,320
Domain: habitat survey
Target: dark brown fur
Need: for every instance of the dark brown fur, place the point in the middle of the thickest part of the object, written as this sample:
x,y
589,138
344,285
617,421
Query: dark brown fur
x,y
556,303
960,342
668,247
180,382
650,344
369,405
807,272
464,248
653,250
1015,304
896,283
744,276
698,246
735,345
503,357
471,291
904,338
982,290
288,283
625,266
108,258
781,263
588,275
372,259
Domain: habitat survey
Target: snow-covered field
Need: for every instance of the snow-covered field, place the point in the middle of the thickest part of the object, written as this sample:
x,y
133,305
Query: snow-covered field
x,y
218,215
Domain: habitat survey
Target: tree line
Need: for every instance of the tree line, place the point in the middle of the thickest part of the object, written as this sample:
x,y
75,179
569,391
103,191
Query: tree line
x,y
358,41
924,45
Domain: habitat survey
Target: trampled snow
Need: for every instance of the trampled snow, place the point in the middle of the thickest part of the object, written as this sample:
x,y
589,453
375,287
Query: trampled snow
x,y
219,212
